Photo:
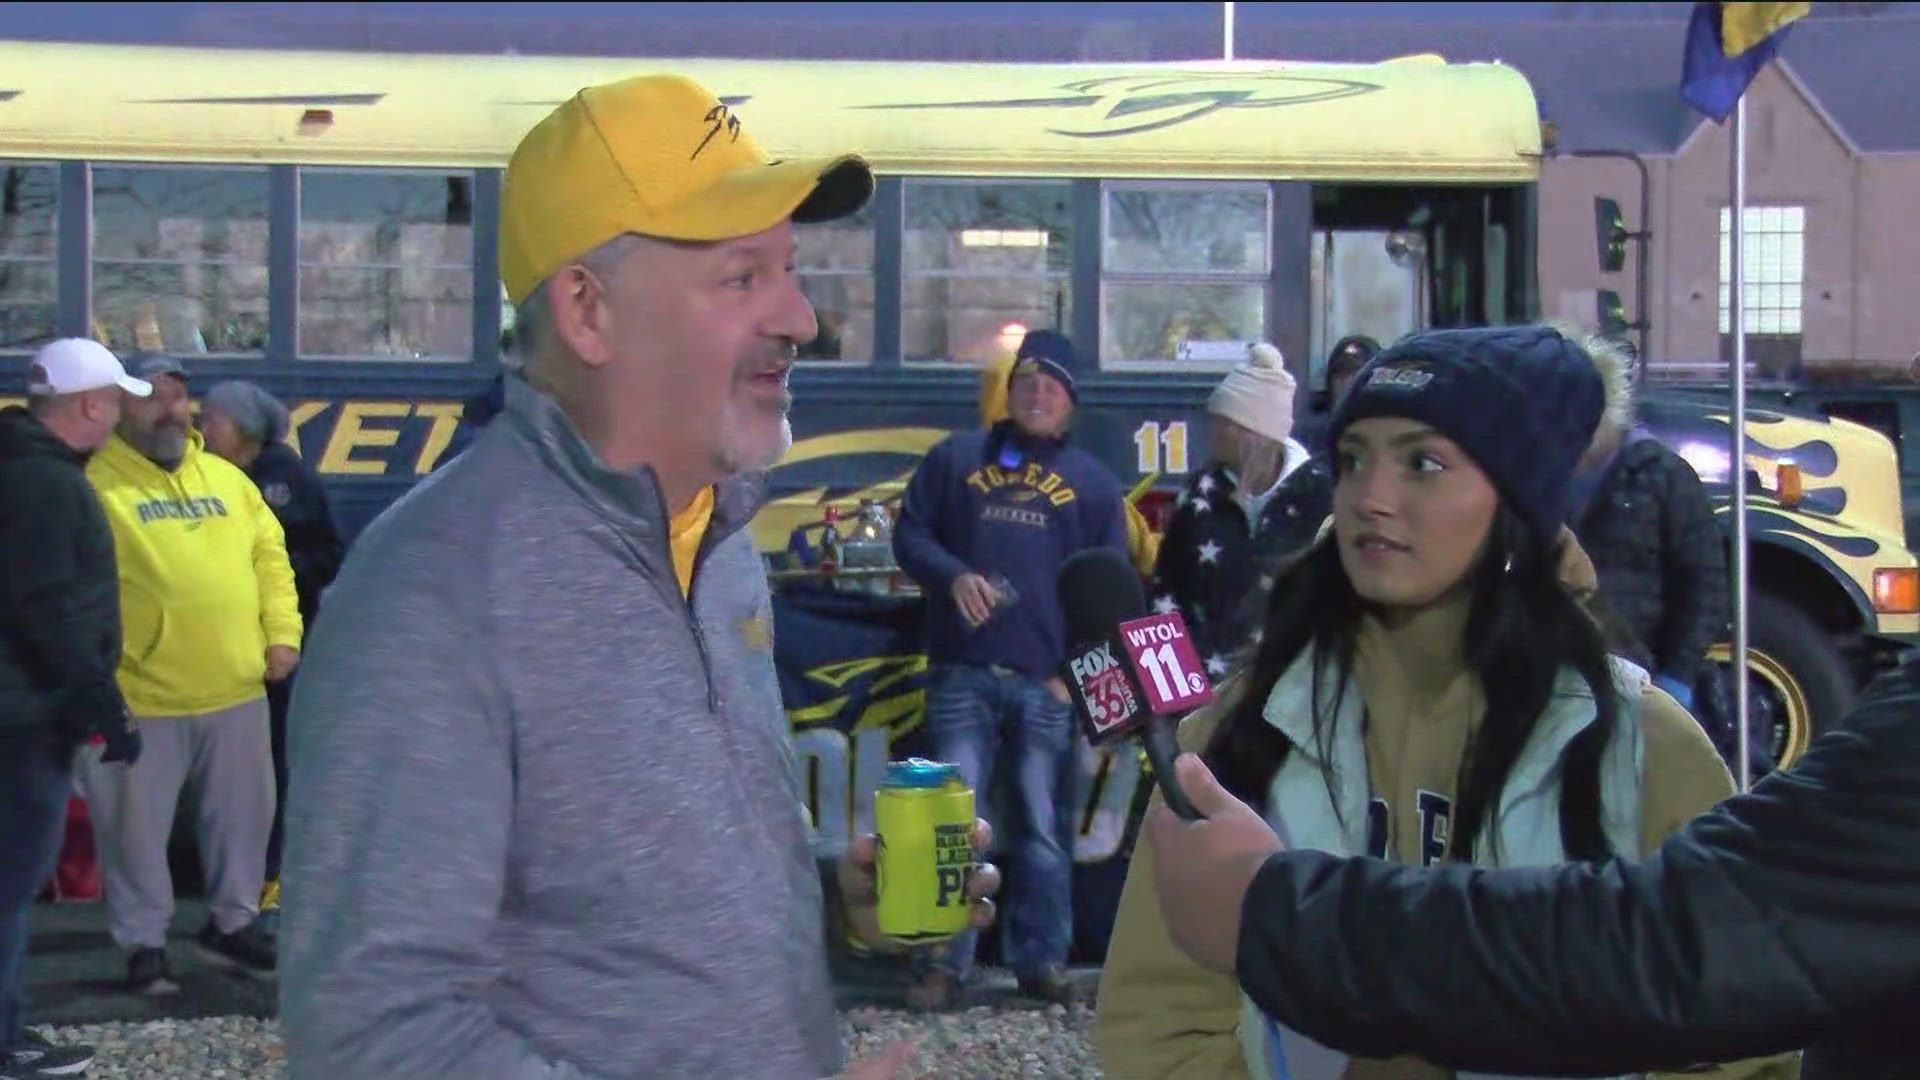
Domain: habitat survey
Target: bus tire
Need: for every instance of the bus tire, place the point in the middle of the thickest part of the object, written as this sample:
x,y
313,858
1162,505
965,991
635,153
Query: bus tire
x,y
1799,684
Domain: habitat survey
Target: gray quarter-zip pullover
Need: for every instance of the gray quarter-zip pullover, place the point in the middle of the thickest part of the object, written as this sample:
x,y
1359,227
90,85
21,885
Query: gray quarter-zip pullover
x,y
543,819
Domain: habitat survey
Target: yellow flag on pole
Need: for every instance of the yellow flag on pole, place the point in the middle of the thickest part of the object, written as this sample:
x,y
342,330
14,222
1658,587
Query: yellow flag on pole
x,y
1744,25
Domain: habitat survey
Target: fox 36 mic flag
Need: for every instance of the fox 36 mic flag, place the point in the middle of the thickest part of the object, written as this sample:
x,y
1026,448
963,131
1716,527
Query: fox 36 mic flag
x,y
1727,45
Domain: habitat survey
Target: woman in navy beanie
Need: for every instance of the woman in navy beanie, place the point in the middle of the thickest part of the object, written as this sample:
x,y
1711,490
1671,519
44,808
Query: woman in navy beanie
x,y
1430,686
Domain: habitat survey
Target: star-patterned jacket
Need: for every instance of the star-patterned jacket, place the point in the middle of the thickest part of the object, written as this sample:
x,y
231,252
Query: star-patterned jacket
x,y
1293,516
1207,569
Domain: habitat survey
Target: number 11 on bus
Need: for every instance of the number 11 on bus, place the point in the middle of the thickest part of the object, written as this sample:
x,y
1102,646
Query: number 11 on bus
x,y
1161,448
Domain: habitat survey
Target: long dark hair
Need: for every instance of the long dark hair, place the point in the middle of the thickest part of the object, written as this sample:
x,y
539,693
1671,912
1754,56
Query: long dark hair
x,y
1523,626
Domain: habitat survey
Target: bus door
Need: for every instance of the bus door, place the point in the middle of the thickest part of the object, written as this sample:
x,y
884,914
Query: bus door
x,y
1365,281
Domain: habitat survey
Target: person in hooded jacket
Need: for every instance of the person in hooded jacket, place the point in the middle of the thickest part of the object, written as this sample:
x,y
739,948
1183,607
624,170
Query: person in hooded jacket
x,y
59,643
246,425
1344,361
1143,543
1298,508
986,523
210,618
1206,568
1644,519
1430,687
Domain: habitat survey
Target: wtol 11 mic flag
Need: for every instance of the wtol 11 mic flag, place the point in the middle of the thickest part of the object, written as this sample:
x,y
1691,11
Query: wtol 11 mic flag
x,y
1129,673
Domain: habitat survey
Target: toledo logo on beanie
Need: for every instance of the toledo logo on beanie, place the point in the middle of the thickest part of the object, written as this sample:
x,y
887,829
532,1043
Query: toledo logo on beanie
x,y
1522,401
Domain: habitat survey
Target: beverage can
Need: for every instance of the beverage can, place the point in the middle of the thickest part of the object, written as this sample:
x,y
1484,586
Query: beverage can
x,y
923,814
1004,596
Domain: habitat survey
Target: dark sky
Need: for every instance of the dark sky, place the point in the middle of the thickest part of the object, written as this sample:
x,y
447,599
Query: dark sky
x,y
927,30
178,22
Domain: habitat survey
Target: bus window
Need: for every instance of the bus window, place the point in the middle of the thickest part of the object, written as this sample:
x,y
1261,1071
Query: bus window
x,y
979,257
1494,304
28,206
386,265
1365,281
1184,270
835,263
180,258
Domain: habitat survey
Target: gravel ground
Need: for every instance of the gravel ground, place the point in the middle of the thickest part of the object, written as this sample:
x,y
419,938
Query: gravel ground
x,y
983,1043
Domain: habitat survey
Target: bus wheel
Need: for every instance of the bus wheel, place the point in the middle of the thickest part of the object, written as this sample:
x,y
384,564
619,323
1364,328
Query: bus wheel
x,y
1797,683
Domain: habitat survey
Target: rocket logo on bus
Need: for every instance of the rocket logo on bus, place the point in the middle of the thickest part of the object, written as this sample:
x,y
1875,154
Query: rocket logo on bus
x,y
1130,104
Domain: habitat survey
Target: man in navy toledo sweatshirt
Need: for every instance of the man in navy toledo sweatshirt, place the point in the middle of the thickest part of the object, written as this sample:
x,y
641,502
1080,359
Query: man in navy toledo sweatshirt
x,y
1010,503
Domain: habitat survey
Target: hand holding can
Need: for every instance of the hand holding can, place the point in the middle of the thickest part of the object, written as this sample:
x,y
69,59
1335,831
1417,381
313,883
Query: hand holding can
x,y
1004,594
981,598
923,814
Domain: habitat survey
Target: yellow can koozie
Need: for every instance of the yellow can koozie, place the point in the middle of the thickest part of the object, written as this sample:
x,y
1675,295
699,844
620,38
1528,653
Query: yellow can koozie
x,y
923,814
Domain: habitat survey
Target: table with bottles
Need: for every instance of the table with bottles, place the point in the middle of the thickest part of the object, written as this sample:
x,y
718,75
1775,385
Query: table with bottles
x,y
844,551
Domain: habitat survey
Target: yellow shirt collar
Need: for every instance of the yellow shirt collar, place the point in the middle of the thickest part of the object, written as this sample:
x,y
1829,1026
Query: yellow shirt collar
x,y
684,533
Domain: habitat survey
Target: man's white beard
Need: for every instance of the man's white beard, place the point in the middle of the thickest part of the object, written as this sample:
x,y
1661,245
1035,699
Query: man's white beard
x,y
736,459
785,444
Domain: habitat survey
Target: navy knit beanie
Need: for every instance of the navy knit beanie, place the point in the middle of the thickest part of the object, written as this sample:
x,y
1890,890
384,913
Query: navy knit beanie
x,y
1049,351
1522,401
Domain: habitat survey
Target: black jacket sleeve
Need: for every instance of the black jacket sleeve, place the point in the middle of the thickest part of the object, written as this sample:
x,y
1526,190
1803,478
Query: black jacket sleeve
x,y
1694,561
1778,918
317,556
61,595
299,500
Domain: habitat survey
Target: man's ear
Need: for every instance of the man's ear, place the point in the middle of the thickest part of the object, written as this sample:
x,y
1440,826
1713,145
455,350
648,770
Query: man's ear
x,y
582,316
97,403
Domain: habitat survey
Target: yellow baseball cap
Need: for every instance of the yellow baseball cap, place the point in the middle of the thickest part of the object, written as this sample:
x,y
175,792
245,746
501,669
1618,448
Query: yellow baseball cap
x,y
658,155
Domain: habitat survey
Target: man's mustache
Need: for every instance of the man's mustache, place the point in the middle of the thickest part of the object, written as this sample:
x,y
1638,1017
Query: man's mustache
x,y
767,359
159,429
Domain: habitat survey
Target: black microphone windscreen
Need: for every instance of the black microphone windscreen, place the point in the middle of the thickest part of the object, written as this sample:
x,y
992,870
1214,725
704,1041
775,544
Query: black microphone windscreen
x,y
1098,589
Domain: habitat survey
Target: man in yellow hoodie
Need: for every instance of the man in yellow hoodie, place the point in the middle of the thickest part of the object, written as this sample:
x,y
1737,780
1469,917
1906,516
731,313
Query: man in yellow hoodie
x,y
209,617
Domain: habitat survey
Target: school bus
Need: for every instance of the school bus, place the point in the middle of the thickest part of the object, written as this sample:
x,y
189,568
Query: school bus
x,y
325,224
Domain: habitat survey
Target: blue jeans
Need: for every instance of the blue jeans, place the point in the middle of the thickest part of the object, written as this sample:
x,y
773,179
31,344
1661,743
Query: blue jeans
x,y
972,714
36,775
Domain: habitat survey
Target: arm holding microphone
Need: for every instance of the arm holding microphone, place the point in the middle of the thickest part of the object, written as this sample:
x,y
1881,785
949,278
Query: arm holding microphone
x,y
1780,919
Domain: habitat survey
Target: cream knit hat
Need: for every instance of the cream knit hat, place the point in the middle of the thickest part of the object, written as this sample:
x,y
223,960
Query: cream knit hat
x,y
1257,395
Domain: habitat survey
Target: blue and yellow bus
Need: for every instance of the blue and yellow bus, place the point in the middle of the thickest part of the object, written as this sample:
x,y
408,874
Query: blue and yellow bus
x,y
324,223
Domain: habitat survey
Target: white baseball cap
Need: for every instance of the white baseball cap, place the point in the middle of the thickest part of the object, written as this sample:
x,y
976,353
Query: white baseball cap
x,y
73,365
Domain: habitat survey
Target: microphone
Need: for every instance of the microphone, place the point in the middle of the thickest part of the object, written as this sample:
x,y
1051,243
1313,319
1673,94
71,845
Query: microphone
x,y
1129,673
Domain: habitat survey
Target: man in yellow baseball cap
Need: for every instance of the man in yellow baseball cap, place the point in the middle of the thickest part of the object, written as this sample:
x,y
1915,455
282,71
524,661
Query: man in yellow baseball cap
x,y
543,818
589,172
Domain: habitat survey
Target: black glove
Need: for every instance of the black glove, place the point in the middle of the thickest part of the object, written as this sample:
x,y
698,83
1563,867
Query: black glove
x,y
122,736
100,711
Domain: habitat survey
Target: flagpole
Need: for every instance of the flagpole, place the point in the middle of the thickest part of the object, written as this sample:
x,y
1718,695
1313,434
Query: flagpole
x,y
1226,30
1737,310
